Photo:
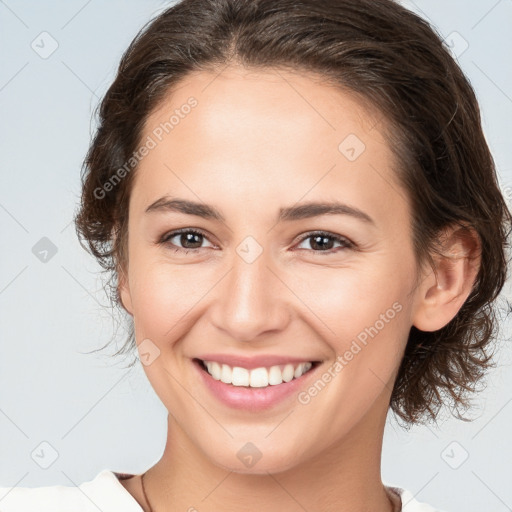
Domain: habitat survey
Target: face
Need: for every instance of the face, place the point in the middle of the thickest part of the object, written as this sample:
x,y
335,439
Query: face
x,y
229,261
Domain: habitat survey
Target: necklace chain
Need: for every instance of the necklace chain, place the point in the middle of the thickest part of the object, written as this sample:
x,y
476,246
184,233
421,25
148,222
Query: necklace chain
x,y
144,492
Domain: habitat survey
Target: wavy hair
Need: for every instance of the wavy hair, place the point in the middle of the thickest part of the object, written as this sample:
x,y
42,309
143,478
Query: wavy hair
x,y
396,63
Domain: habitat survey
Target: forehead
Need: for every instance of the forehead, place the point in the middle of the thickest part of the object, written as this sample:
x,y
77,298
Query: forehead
x,y
263,132
238,98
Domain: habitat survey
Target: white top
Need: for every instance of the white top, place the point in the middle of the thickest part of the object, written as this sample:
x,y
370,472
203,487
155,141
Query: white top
x,y
106,493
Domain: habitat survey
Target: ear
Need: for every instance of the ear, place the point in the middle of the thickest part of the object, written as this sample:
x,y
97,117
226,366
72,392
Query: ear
x,y
444,289
121,267
123,289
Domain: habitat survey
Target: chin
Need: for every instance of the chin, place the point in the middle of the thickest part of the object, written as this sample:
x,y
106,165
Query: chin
x,y
260,464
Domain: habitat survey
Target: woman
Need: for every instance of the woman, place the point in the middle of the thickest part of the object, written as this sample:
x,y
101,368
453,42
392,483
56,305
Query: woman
x,y
301,215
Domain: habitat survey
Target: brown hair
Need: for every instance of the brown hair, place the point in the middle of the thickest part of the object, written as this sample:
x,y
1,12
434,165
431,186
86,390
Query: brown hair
x,y
394,61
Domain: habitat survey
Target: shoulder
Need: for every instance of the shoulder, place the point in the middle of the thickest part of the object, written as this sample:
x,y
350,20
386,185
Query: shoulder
x,y
104,492
409,503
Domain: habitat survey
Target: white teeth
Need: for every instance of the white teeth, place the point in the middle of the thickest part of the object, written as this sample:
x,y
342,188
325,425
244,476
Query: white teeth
x,y
226,374
258,377
288,372
239,377
215,370
275,375
299,370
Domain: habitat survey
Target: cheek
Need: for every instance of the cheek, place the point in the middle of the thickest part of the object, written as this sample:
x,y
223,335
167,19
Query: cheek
x,y
159,295
348,300
365,317
344,303
166,298
368,328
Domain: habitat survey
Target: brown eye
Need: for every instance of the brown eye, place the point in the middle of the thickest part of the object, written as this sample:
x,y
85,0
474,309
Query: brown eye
x,y
324,242
184,240
191,239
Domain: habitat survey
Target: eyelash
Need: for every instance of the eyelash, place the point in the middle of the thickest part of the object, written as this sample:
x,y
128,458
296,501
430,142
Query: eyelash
x,y
345,242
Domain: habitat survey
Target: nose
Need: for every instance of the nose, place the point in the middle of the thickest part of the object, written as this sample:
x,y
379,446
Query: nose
x,y
251,300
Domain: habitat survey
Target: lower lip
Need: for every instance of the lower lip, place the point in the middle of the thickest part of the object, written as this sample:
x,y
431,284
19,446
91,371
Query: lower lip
x,y
254,399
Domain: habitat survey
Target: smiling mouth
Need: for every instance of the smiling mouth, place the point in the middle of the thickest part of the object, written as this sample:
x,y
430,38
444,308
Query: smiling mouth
x,y
257,377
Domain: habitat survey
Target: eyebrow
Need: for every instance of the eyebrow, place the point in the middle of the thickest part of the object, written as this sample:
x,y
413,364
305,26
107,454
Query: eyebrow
x,y
291,213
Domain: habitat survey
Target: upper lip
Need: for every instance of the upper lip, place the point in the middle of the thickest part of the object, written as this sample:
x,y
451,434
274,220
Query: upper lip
x,y
254,361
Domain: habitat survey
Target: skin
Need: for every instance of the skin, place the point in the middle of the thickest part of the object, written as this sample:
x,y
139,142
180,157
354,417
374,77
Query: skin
x,y
256,142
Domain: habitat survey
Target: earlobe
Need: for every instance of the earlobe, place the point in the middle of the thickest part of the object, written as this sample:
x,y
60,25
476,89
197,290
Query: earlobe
x,y
443,292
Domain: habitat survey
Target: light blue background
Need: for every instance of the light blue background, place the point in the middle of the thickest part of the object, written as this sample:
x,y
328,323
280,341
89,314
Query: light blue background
x,y
94,412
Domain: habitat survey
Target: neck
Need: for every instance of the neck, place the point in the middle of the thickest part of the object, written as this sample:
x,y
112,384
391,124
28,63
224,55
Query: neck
x,y
343,478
